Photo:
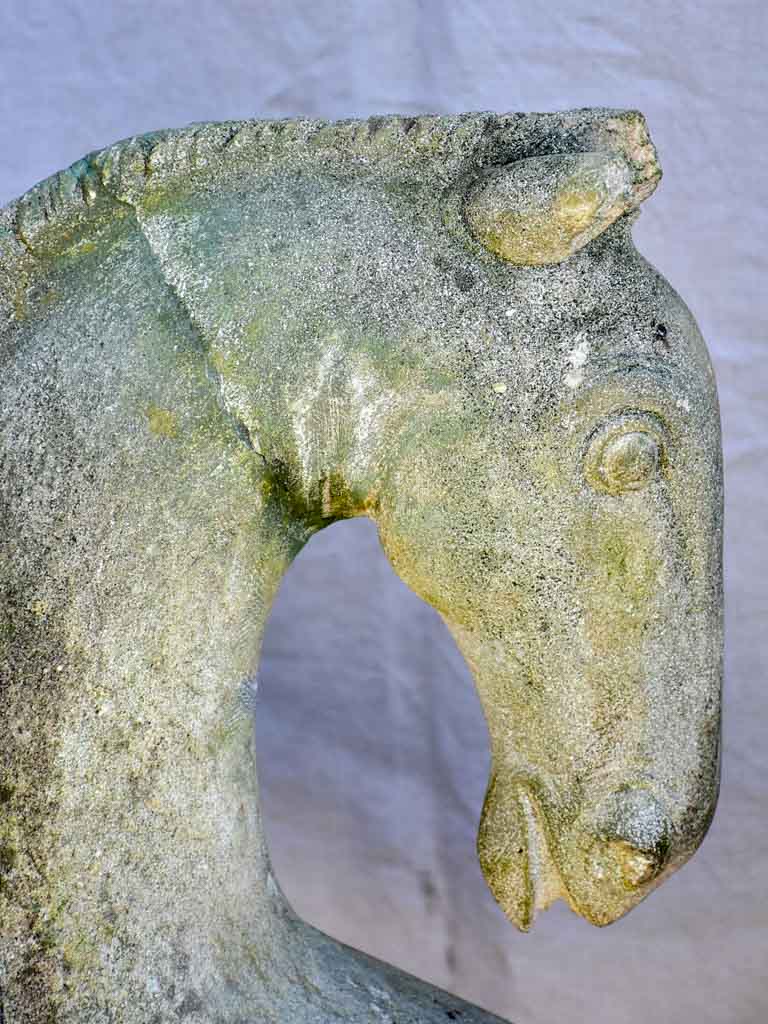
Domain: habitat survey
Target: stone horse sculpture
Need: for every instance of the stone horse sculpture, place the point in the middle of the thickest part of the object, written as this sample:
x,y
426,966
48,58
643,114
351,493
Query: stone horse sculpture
x,y
218,340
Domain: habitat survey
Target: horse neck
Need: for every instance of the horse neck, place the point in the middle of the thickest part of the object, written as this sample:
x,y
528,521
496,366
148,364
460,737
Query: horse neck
x,y
139,640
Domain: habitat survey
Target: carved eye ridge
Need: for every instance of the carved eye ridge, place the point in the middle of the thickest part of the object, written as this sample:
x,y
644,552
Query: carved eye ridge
x,y
626,453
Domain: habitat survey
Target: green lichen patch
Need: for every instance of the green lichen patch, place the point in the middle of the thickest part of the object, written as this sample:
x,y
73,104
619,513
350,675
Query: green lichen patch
x,y
163,422
622,573
329,500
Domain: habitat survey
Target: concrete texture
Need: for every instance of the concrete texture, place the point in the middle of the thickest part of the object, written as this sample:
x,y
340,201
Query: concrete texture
x,y
370,682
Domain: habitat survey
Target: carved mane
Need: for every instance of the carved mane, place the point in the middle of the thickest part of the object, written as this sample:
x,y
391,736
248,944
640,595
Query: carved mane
x,y
143,169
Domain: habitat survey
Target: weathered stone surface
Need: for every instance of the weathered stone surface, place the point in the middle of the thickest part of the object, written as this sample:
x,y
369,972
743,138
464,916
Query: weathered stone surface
x,y
218,340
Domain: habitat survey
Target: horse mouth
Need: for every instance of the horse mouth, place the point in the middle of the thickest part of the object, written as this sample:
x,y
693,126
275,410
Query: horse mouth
x,y
546,883
515,854
599,870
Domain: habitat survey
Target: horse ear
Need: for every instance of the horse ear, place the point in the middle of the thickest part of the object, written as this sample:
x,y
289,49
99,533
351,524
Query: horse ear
x,y
543,209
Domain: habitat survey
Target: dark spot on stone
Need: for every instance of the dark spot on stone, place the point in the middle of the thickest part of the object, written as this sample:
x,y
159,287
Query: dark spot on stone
x,y
192,1003
7,859
660,335
243,433
45,940
465,280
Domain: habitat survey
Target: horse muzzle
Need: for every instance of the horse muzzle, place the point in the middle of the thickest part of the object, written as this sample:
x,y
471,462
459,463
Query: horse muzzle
x,y
615,850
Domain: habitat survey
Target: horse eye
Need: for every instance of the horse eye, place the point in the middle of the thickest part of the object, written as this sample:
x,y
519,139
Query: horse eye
x,y
625,455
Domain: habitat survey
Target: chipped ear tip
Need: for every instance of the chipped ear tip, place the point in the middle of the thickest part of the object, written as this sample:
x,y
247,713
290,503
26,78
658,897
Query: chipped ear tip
x,y
629,135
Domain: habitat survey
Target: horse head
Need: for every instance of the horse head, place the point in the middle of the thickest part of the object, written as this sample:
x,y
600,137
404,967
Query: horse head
x,y
561,508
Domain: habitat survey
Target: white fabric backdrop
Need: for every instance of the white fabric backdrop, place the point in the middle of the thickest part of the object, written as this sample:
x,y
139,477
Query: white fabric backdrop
x,y
373,749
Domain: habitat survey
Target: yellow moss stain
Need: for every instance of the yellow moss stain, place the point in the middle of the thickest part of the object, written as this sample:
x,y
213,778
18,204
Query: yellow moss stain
x,y
256,330
622,580
81,248
162,422
622,589
221,363
20,303
546,236
157,200
548,470
51,296
575,209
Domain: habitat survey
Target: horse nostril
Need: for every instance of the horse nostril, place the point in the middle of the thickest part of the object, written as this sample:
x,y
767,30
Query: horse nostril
x,y
636,866
632,838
